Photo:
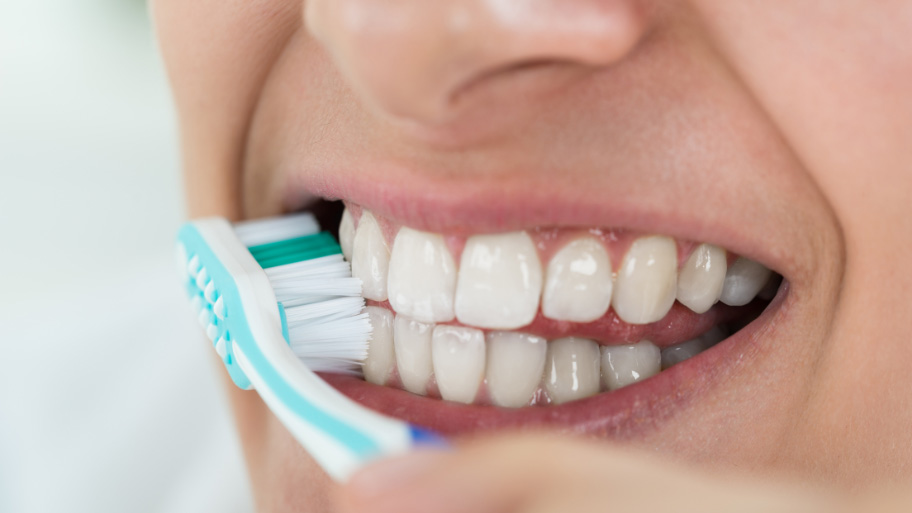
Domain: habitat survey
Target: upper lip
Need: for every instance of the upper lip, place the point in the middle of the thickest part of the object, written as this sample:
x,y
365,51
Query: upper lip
x,y
456,205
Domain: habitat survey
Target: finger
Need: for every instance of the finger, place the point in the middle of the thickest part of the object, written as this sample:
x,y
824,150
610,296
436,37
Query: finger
x,y
486,476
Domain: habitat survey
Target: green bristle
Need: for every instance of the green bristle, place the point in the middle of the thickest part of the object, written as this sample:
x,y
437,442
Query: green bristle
x,y
294,250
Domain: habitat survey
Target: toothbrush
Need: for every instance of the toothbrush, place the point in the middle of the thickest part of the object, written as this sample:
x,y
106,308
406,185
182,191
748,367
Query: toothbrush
x,y
278,302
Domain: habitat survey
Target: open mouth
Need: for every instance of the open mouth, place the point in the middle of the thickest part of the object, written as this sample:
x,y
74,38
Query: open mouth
x,y
589,328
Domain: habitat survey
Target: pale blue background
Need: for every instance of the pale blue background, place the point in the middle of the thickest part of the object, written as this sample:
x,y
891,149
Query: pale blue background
x,y
108,400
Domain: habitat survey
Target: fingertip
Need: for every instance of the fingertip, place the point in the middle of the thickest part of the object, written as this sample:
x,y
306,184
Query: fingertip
x,y
385,484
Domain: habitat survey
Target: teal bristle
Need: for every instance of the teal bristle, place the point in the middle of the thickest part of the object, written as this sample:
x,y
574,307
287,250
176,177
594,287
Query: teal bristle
x,y
298,249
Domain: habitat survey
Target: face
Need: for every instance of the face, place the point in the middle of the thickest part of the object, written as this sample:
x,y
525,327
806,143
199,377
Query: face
x,y
550,203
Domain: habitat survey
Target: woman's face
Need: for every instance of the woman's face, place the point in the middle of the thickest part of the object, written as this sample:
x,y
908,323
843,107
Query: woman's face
x,y
778,131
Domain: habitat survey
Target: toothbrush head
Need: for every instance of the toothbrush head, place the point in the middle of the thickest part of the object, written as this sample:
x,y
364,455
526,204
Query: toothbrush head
x,y
278,277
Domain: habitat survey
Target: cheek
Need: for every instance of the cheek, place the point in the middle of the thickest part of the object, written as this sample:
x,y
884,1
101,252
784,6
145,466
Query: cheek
x,y
218,54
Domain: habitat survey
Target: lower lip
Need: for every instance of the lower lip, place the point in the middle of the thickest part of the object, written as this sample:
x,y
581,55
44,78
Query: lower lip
x,y
630,412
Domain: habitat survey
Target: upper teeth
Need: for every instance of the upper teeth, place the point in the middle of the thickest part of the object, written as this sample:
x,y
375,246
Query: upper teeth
x,y
578,282
370,258
500,282
647,280
422,277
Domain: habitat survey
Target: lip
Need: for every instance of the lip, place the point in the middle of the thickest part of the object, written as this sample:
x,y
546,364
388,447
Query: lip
x,y
459,206
627,413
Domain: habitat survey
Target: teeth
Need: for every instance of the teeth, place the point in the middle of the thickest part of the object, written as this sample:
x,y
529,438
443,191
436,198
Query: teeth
x,y
514,367
701,278
571,369
684,351
380,358
624,365
413,353
422,277
370,258
743,281
459,362
578,282
346,234
647,280
500,281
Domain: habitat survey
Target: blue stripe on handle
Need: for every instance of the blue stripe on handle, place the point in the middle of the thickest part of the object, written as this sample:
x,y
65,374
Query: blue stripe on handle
x,y
426,438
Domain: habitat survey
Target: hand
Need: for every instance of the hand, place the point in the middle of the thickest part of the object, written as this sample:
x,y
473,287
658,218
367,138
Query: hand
x,y
539,473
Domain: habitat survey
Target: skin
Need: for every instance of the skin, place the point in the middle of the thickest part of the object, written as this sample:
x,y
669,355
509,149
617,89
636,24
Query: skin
x,y
790,120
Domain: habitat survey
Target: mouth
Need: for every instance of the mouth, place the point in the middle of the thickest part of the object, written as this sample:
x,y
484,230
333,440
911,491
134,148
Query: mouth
x,y
585,328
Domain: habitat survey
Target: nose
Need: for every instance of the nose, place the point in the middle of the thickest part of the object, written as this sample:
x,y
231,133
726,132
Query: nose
x,y
428,61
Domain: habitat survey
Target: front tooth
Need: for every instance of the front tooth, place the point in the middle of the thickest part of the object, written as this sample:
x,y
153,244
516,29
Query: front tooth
x,y
647,280
572,369
514,367
578,282
422,277
459,362
500,281
370,258
624,365
680,352
380,353
700,279
346,234
413,353
743,281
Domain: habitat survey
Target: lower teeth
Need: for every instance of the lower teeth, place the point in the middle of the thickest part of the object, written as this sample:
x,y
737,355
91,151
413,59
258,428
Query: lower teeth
x,y
510,369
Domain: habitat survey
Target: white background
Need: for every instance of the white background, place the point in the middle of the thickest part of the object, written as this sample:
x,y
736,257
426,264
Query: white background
x,y
108,400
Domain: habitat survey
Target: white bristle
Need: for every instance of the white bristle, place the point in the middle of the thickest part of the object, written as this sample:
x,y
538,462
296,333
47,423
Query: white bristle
x,y
273,229
306,282
324,312
330,337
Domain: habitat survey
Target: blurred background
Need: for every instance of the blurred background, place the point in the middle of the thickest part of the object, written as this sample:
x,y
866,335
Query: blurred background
x,y
108,396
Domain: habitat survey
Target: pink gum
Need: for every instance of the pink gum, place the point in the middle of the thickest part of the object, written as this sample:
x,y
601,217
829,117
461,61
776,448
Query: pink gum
x,y
549,241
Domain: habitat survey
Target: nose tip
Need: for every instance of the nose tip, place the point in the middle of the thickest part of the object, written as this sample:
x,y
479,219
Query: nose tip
x,y
428,61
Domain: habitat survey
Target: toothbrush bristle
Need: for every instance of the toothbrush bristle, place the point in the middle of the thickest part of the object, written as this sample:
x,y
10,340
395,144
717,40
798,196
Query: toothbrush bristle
x,y
324,311
273,229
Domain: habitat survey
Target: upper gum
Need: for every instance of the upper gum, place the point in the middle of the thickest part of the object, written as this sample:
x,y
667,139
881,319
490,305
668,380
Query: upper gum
x,y
548,240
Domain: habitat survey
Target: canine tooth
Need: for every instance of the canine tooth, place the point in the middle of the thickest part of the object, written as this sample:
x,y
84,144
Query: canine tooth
x,y
370,258
700,279
647,280
684,351
514,367
422,277
578,282
380,353
500,281
624,365
346,234
743,281
413,353
571,369
459,361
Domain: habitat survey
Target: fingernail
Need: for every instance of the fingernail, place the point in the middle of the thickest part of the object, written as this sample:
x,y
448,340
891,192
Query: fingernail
x,y
387,475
